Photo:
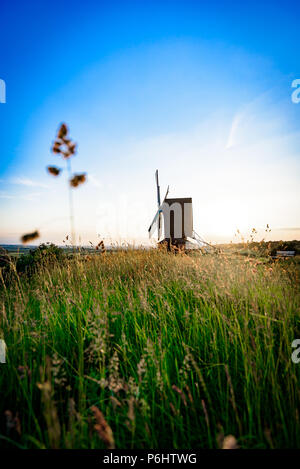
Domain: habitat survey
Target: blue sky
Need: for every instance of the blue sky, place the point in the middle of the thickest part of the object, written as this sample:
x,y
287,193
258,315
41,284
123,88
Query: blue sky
x,y
201,90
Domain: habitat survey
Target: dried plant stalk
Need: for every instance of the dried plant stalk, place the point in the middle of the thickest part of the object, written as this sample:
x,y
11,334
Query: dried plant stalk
x,y
50,411
103,429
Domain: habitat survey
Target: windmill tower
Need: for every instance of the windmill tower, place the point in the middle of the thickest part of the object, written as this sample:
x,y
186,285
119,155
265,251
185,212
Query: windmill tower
x,y
173,222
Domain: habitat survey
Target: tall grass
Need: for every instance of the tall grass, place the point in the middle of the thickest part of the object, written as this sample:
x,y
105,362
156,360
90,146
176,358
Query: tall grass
x,y
172,350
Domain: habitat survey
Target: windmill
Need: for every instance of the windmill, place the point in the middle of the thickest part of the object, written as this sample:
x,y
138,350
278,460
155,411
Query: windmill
x,y
173,222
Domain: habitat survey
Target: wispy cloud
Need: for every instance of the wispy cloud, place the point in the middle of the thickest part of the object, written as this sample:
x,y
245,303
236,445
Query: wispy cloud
x,y
233,130
287,229
31,196
262,109
94,180
27,182
5,195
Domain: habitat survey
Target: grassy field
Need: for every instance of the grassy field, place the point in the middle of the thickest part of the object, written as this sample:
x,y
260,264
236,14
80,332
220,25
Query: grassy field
x,y
147,349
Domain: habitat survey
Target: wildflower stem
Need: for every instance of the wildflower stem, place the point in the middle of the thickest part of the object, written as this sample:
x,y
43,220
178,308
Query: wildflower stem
x,y
71,205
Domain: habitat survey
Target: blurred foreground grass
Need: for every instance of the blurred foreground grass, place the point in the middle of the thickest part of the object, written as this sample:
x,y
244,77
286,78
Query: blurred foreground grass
x,y
176,351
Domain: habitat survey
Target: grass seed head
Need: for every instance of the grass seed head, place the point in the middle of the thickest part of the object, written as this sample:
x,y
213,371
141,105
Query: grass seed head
x,y
230,442
77,179
53,170
103,429
26,238
63,131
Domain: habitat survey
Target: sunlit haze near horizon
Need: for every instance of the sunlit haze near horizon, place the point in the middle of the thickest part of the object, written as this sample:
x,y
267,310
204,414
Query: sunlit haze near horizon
x,y
201,92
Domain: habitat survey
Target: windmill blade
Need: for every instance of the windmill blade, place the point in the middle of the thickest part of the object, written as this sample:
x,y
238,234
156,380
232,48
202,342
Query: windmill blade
x,y
158,218
154,224
158,188
166,194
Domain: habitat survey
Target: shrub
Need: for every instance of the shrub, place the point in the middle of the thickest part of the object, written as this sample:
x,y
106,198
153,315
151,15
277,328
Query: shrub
x,y
45,254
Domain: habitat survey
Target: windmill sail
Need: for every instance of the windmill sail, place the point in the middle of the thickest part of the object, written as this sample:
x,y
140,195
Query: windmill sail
x,y
158,217
154,224
158,188
159,221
